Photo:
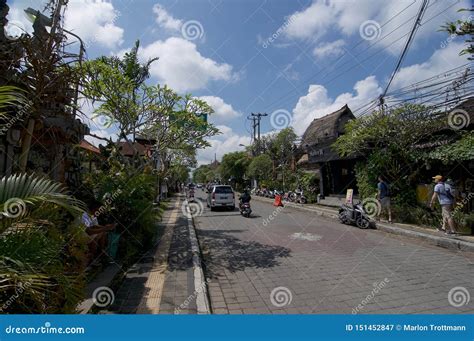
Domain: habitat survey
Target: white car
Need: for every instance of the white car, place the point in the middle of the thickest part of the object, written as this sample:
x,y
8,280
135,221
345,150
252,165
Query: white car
x,y
221,196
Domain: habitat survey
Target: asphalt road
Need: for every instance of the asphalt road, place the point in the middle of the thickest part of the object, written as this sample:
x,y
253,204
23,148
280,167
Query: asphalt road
x,y
291,261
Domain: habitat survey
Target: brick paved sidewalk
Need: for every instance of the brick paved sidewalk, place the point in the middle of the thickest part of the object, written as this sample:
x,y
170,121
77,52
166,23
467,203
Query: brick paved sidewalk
x,y
162,281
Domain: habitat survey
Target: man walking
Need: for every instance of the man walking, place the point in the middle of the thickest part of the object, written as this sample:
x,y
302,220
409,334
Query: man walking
x,y
383,196
442,192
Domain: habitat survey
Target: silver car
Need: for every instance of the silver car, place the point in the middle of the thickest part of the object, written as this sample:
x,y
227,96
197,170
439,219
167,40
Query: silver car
x,y
221,196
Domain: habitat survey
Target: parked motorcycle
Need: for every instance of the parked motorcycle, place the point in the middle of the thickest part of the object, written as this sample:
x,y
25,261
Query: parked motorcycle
x,y
245,209
354,214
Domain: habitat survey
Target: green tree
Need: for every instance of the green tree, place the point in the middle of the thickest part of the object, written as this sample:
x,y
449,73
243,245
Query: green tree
x,y
280,147
203,174
234,166
463,27
260,167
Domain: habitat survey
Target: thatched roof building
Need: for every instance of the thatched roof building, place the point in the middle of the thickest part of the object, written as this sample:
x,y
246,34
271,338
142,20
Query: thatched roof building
x,y
317,155
321,134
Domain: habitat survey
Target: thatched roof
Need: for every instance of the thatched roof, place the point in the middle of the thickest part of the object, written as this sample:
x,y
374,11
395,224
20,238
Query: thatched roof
x,y
327,127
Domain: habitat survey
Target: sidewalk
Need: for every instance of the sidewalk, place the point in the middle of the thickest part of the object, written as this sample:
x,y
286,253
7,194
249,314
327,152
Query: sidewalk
x,y
163,281
463,243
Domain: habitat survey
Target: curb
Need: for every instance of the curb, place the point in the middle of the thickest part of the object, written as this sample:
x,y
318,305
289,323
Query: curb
x,y
200,284
447,243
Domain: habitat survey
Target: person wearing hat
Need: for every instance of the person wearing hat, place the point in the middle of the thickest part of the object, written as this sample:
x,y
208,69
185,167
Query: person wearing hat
x,y
442,192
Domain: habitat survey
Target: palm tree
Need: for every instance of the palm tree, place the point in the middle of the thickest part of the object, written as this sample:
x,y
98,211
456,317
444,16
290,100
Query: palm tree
x,y
19,191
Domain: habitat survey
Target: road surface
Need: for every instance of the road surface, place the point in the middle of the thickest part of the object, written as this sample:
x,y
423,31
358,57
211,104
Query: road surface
x,y
291,261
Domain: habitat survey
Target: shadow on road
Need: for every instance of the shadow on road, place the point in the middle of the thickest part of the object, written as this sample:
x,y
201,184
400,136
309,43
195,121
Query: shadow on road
x,y
222,250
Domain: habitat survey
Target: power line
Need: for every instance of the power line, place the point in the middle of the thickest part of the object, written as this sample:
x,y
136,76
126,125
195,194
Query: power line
x,y
415,27
289,93
352,48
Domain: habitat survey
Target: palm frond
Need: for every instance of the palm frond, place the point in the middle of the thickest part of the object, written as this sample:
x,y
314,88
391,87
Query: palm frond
x,y
20,190
11,96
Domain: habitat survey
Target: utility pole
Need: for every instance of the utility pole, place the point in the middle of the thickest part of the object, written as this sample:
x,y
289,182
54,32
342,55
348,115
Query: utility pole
x,y
254,130
257,118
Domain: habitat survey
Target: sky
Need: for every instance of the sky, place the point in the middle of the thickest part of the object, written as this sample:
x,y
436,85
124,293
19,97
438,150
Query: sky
x,y
295,60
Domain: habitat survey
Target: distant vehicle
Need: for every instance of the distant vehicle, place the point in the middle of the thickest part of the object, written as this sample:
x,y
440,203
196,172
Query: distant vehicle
x,y
199,185
221,196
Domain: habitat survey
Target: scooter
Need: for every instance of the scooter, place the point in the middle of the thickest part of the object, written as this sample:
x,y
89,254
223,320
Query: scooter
x,y
351,214
245,209
191,195
301,199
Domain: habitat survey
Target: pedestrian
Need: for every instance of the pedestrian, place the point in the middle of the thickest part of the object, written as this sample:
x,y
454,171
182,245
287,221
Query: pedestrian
x,y
383,196
445,197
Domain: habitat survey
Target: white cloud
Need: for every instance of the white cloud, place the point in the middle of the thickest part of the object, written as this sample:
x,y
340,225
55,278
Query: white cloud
x,y
440,61
317,103
95,22
311,22
332,49
182,67
166,20
222,110
323,17
222,144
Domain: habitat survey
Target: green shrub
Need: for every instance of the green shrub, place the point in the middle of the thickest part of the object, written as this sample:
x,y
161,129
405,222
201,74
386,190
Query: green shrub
x,y
131,207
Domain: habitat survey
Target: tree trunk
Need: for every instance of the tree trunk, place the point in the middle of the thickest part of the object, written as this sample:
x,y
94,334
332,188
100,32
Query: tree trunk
x,y
26,144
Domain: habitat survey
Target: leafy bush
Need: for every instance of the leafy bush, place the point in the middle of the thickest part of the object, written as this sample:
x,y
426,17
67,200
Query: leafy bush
x,y
42,249
131,196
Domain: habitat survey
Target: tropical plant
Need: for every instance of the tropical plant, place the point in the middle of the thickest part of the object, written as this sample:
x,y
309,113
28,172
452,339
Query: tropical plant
x,y
20,190
463,27
41,249
11,96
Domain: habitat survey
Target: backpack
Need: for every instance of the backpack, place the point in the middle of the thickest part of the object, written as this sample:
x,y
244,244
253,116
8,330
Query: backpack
x,y
449,190
387,189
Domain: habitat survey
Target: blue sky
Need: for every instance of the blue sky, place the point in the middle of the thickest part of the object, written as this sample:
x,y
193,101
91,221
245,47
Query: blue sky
x,y
295,60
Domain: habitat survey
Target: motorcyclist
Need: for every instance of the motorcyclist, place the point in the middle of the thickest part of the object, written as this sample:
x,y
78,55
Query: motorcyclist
x,y
245,197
